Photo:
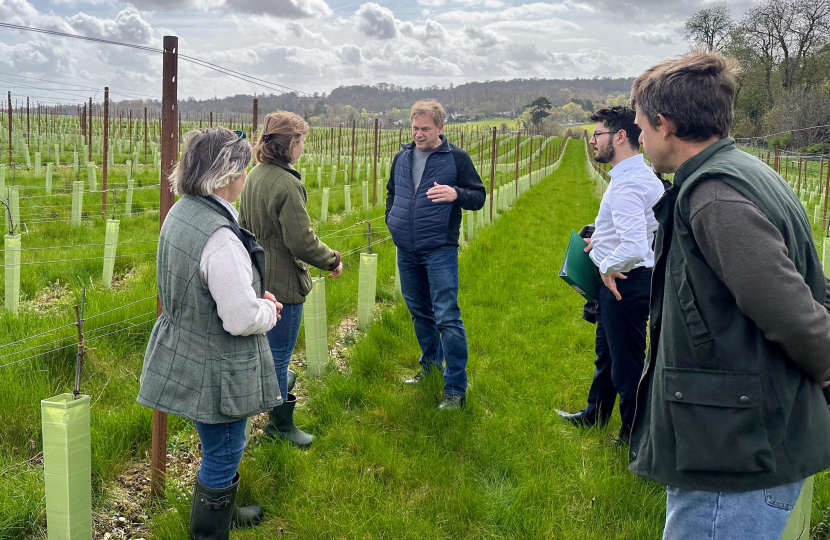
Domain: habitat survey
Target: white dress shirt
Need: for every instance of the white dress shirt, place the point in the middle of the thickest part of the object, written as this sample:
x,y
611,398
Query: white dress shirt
x,y
625,226
225,266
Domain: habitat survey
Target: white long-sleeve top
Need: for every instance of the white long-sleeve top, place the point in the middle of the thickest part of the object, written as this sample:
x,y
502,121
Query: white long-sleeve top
x,y
225,265
625,227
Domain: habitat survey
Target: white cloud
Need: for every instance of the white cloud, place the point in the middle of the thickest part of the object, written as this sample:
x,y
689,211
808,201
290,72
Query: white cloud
x,y
127,26
483,37
284,9
652,37
534,11
376,21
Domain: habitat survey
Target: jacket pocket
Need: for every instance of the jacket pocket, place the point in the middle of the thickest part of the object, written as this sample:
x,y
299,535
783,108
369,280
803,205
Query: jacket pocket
x,y
717,420
686,297
240,385
303,276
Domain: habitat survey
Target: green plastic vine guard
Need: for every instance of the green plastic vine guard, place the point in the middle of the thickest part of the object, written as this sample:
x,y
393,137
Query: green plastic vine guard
x,y
57,155
471,224
110,247
316,339
49,172
77,202
367,286
324,206
92,177
11,269
798,526
14,205
320,177
2,179
347,197
38,166
364,188
67,466
128,204
74,161
333,176
461,231
397,274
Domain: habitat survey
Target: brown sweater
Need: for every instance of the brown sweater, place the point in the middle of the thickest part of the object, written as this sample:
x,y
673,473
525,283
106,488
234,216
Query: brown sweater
x,y
272,206
747,253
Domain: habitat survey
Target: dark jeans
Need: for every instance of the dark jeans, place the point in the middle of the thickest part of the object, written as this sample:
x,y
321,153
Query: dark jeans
x,y
282,339
222,446
429,283
620,348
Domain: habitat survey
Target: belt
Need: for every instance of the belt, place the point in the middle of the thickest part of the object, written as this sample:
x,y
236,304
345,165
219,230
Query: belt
x,y
638,270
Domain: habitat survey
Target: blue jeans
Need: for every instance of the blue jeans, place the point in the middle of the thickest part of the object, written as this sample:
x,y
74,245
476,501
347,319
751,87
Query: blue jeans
x,y
222,446
711,515
429,283
282,339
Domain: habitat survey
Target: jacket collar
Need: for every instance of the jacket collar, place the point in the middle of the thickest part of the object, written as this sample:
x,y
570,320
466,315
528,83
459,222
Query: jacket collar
x,y
694,163
287,166
443,147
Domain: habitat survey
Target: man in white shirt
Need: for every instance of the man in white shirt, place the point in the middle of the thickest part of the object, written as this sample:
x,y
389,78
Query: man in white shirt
x,y
622,248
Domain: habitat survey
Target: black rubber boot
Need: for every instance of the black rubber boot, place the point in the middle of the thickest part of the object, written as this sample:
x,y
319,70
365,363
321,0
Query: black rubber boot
x,y
214,511
281,425
291,378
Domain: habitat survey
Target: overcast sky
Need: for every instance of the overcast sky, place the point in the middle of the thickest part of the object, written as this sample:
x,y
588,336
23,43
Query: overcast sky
x,y
317,45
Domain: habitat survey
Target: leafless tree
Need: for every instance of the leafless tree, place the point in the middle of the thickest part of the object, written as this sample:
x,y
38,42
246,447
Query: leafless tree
x,y
710,28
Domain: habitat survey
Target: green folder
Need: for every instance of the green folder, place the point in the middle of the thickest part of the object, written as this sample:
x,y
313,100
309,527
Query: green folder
x,y
579,271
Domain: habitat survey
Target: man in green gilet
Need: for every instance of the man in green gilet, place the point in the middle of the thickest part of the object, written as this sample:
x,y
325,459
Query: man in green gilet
x,y
731,414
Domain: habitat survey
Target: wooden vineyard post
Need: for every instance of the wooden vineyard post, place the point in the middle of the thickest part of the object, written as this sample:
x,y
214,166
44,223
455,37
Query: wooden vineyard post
x,y
9,103
375,167
492,172
145,135
254,123
518,136
169,150
351,174
89,131
106,150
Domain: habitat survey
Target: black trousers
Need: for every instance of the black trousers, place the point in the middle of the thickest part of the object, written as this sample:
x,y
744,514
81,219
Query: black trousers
x,y
620,348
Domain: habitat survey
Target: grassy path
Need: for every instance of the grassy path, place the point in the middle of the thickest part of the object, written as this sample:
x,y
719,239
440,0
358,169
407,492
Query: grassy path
x,y
387,465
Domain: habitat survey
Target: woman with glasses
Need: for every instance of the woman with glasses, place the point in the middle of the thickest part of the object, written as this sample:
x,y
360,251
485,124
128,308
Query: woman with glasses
x,y
208,359
272,206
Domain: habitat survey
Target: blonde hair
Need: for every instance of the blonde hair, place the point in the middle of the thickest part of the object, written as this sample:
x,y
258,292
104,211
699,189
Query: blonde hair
x,y
430,108
695,91
280,135
211,159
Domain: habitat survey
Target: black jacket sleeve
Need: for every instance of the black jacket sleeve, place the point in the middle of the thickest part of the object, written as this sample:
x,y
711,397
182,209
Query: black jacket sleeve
x,y
470,190
390,186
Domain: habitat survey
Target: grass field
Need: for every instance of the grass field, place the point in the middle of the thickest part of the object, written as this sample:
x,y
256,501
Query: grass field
x,y
385,464
489,123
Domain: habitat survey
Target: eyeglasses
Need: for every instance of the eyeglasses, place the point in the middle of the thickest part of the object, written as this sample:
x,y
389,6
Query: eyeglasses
x,y
596,133
241,134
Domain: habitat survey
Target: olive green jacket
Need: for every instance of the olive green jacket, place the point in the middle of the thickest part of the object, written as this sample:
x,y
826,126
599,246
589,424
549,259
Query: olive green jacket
x,y
272,206
719,406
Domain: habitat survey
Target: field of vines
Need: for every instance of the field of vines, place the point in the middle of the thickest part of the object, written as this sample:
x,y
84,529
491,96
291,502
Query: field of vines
x,y
385,464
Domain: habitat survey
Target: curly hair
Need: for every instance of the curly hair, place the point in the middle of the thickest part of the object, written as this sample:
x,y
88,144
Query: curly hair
x,y
619,117
280,135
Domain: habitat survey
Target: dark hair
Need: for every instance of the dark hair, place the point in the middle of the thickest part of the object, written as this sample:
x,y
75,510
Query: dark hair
x,y
695,91
620,117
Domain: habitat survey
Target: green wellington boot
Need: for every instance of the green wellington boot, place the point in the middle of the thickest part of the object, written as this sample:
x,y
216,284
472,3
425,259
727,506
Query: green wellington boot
x,y
214,512
281,425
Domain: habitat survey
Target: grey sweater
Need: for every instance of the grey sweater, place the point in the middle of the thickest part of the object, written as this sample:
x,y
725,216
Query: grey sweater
x,y
747,253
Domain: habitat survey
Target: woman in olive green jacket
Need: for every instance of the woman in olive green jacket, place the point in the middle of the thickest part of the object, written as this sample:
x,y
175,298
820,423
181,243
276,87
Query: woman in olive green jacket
x,y
273,208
